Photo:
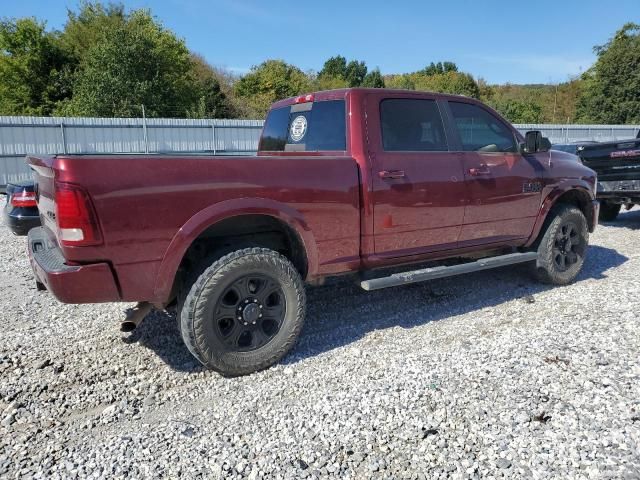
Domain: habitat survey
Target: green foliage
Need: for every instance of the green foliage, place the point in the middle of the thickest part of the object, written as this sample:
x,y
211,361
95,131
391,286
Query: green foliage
x,y
438,68
399,81
355,73
556,103
611,92
137,63
335,67
208,87
337,73
442,77
270,81
373,79
32,73
108,61
90,25
450,82
105,62
518,111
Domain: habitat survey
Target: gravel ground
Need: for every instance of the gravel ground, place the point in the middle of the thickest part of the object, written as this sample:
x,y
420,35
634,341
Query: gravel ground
x,y
490,375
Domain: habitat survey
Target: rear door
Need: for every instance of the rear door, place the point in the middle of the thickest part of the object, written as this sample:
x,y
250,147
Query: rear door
x,y
418,184
504,186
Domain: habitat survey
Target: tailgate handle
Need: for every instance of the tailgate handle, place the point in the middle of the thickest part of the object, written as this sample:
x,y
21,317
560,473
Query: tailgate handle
x,y
391,174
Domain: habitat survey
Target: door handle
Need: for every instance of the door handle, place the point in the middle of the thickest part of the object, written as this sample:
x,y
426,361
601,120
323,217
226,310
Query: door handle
x,y
391,174
479,171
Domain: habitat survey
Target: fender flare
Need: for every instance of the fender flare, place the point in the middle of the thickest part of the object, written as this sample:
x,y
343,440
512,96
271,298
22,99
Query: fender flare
x,y
213,214
552,196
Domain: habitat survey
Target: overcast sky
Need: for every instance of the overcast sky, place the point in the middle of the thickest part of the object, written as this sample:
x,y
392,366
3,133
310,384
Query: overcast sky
x,y
500,41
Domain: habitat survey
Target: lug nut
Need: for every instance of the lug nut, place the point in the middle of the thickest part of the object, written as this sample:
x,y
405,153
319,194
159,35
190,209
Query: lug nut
x,y
246,323
246,301
255,300
260,306
260,316
254,323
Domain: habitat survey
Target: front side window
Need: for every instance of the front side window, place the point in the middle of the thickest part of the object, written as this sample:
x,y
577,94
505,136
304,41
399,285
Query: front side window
x,y
480,131
411,125
309,127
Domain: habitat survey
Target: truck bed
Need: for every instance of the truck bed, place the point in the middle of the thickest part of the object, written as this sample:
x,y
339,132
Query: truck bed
x,y
145,202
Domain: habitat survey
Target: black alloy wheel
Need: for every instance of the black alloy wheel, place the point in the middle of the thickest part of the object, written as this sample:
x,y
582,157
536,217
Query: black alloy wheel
x,y
249,313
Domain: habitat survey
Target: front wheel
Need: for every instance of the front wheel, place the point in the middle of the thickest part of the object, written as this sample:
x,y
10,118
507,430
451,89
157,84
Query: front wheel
x,y
562,249
609,211
244,312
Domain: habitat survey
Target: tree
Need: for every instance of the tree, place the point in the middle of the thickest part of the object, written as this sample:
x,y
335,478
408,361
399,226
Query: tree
x,y
355,73
517,111
611,91
32,73
373,79
337,73
136,63
211,100
402,81
449,82
89,25
335,67
439,68
270,81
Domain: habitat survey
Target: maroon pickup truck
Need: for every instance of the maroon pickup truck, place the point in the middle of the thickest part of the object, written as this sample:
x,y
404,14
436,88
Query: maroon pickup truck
x,y
345,182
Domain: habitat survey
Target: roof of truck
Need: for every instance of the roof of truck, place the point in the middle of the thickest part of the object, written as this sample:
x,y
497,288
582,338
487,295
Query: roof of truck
x,y
342,92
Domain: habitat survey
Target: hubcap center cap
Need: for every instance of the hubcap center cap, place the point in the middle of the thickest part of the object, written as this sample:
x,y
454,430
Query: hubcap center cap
x,y
250,312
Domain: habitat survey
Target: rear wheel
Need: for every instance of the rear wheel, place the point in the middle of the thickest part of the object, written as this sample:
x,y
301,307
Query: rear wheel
x,y
609,211
562,249
244,312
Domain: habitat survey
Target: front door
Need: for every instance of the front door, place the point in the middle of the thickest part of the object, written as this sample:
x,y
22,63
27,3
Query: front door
x,y
418,184
504,186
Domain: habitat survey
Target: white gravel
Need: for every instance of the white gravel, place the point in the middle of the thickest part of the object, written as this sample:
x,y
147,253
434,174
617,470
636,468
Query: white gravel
x,y
490,375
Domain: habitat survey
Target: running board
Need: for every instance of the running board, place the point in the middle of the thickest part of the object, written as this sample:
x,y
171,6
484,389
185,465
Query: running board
x,y
441,272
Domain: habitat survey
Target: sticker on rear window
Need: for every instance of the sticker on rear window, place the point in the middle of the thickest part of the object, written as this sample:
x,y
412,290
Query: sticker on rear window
x,y
298,128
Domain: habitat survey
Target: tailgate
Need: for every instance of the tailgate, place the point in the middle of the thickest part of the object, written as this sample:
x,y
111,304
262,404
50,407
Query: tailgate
x,y
44,179
613,161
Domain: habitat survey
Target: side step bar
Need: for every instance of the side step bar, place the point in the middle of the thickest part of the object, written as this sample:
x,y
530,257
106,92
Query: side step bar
x,y
414,276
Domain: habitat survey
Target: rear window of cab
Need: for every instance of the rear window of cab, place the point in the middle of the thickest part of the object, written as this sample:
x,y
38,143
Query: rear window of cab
x,y
305,127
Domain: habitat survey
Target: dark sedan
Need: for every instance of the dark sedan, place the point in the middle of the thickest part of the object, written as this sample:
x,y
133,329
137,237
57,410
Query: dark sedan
x,y
21,212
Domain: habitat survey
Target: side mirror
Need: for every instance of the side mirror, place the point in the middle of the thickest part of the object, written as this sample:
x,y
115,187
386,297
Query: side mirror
x,y
534,142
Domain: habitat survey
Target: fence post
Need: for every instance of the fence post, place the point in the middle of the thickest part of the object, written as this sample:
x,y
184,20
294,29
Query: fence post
x,y
144,131
213,136
64,140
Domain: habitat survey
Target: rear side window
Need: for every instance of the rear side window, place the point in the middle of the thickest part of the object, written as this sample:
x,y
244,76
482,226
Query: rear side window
x,y
480,130
310,127
411,125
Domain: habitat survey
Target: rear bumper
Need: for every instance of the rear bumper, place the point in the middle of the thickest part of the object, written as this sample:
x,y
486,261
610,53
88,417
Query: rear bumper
x,y
93,283
20,224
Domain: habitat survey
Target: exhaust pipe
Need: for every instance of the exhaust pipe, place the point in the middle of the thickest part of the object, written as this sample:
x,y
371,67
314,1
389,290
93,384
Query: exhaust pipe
x,y
135,315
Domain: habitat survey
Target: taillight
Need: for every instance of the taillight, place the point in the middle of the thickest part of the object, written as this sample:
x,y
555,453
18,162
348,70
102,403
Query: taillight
x,y
24,199
75,216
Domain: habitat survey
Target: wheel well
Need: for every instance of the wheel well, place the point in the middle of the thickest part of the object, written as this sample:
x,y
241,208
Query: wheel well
x,y
581,200
242,231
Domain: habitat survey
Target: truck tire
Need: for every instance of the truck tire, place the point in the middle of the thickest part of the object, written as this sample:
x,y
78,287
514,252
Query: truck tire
x,y
563,246
609,211
244,312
